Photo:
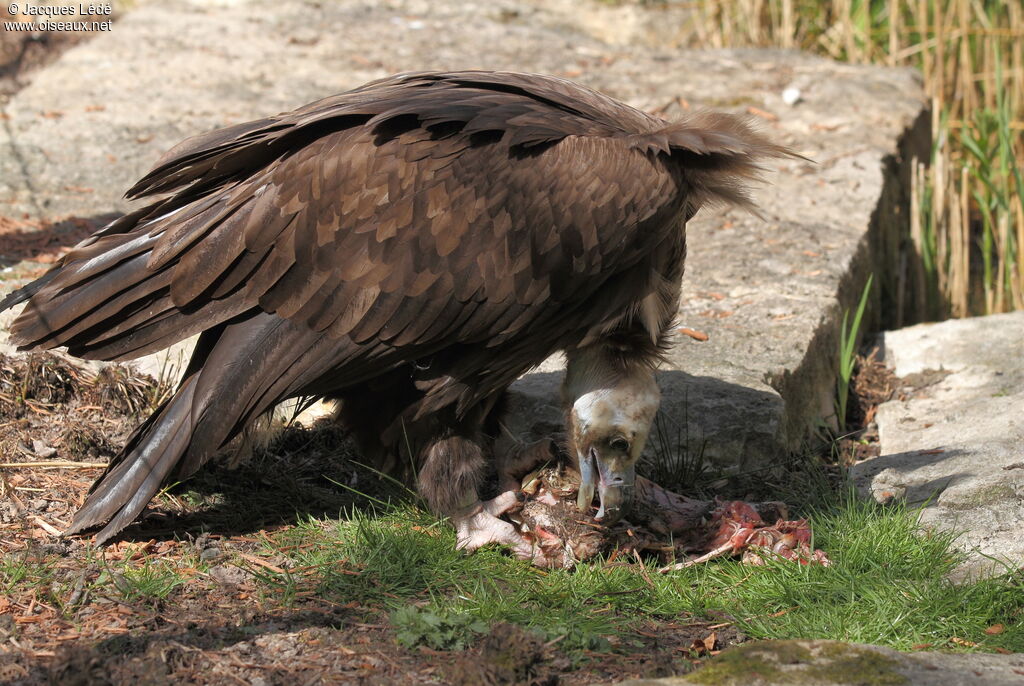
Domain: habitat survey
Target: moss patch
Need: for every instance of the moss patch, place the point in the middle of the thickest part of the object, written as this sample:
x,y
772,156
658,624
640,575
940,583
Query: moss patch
x,y
795,662
751,664
855,665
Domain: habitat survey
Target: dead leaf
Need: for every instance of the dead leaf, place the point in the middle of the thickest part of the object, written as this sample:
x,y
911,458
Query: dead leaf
x,y
764,114
963,642
261,562
995,629
697,647
921,646
693,333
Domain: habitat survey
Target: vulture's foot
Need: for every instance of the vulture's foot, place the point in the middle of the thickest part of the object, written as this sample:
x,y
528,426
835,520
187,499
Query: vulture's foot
x,y
480,525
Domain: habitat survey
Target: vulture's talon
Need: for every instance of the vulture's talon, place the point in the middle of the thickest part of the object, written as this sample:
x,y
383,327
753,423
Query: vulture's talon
x,y
480,526
504,502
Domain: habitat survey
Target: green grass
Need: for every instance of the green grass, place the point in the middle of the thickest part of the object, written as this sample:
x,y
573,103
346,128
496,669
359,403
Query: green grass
x,y
888,585
145,583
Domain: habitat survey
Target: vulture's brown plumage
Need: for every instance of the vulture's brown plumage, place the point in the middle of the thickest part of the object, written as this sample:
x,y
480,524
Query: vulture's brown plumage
x,y
410,248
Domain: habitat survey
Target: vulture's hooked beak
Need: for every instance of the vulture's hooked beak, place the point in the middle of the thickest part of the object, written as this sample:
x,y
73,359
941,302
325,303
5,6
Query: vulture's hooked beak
x,y
608,469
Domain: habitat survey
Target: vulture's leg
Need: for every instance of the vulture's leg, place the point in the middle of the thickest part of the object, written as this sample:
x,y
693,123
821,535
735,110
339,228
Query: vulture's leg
x,y
372,414
452,472
450,479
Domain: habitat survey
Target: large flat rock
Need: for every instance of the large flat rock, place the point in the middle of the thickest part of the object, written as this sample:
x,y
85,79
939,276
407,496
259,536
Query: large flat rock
x,y
957,445
832,663
767,292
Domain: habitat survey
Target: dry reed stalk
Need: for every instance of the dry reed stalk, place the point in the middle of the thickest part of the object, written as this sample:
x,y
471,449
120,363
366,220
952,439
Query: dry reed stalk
x,y
940,210
921,19
893,9
1019,272
918,281
964,292
788,25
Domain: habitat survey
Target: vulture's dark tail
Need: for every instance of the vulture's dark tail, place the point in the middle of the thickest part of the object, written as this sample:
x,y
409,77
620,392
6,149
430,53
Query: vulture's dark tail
x,y
137,473
237,372
720,152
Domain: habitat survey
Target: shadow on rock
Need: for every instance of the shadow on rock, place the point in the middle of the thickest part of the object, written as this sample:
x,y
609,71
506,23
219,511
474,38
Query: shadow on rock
x,y
893,477
22,240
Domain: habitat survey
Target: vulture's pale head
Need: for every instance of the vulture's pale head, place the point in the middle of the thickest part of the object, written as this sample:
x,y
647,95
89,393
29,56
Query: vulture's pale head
x,y
609,416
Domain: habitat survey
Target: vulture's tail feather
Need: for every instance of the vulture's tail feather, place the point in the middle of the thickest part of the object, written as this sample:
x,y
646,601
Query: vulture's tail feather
x,y
238,371
137,473
720,153
25,292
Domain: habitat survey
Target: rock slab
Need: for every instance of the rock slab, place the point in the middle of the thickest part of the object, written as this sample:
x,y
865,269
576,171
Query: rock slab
x,y
768,293
833,663
956,446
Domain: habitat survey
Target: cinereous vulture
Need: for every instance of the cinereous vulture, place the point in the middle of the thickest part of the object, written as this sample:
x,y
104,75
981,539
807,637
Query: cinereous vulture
x,y
408,248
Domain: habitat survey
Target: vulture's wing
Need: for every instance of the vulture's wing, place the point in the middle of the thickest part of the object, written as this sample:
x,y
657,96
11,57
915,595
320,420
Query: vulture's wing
x,y
419,210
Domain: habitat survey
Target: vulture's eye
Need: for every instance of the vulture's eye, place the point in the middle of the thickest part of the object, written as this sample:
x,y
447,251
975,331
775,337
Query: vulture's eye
x,y
619,443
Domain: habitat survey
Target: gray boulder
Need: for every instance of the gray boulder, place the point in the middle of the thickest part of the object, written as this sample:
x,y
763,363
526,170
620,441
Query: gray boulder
x,y
955,447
